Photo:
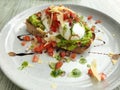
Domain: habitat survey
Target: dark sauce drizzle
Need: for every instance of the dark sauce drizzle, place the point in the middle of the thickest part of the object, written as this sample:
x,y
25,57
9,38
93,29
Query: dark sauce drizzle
x,y
19,54
20,36
24,54
103,42
113,56
98,53
97,31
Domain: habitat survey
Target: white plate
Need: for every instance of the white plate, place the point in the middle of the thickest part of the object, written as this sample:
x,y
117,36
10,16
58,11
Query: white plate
x,y
38,77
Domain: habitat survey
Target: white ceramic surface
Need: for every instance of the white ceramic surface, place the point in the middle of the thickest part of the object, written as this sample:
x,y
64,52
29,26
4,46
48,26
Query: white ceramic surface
x,y
37,77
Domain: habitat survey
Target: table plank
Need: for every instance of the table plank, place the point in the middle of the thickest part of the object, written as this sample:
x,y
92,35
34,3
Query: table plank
x,y
10,8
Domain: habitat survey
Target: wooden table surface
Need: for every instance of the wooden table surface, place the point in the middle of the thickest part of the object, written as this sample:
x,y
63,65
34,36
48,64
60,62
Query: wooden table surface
x,y
9,8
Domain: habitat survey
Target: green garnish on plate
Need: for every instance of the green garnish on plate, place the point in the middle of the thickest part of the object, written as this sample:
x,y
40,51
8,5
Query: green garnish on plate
x,y
75,73
52,65
82,60
57,73
57,56
23,65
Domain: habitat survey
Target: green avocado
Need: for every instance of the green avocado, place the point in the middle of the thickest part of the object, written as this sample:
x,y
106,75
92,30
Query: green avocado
x,y
33,19
72,44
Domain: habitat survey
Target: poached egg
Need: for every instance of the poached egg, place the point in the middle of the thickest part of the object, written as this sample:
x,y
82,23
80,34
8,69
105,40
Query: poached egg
x,y
75,32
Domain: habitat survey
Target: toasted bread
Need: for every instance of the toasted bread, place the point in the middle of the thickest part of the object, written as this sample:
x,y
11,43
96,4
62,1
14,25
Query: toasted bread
x,y
80,49
33,30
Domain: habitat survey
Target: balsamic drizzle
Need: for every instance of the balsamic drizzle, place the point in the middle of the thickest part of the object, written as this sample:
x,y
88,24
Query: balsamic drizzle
x,y
23,54
20,36
103,42
113,56
97,31
98,53
19,54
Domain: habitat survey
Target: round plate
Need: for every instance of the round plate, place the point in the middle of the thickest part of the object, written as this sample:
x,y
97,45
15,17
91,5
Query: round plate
x,y
38,76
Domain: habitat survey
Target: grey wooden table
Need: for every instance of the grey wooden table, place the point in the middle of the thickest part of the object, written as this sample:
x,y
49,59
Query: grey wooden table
x,y
9,8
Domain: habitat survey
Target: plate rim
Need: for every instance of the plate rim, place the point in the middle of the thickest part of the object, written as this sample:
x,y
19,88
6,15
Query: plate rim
x,y
45,5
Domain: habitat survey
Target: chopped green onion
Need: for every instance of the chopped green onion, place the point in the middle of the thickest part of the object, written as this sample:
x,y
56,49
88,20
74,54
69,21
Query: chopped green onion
x,y
52,65
57,56
64,29
67,60
57,73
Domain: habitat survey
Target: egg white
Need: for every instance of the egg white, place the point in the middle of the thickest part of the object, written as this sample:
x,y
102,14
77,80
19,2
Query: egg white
x,y
77,31
66,34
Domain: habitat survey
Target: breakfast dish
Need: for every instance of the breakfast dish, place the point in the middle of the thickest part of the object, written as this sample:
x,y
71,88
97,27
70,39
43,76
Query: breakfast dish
x,y
60,27
62,34
66,27
61,47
